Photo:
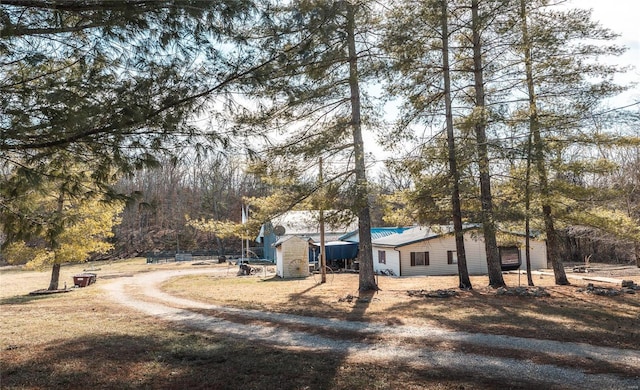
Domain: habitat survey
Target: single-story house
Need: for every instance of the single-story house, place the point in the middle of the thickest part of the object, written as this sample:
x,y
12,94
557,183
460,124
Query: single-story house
x,y
431,250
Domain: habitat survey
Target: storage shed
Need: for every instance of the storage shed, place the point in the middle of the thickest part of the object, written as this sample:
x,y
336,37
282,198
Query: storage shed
x,y
292,257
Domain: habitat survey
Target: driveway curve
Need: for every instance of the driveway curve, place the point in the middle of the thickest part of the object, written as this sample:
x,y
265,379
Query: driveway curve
x,y
150,300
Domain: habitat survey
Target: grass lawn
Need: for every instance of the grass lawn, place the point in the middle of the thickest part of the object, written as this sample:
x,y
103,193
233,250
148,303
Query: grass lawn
x,y
80,339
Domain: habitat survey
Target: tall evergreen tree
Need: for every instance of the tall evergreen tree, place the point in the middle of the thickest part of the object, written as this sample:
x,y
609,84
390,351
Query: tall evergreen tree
x,y
535,151
418,39
367,277
565,88
312,95
480,119
463,272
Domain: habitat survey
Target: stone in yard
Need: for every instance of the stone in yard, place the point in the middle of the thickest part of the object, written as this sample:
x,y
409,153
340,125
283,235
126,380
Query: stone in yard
x,y
537,292
432,294
628,283
602,291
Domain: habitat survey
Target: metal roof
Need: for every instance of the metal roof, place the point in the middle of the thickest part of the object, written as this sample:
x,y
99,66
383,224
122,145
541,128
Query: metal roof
x,y
417,234
306,222
376,232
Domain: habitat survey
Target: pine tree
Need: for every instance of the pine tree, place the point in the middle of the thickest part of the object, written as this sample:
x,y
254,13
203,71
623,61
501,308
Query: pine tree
x,y
566,86
415,48
57,225
463,272
313,96
480,119
538,155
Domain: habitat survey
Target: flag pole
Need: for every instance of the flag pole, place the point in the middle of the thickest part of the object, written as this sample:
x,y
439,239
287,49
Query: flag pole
x,y
246,230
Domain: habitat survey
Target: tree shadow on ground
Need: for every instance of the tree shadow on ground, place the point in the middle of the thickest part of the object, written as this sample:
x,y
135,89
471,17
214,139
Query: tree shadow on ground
x,y
593,320
27,298
189,360
362,303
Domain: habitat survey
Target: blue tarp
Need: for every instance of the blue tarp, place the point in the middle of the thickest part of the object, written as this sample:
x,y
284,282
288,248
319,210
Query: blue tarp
x,y
335,250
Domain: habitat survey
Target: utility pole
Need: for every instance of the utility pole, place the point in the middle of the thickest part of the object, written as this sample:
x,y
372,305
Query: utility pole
x,y
323,263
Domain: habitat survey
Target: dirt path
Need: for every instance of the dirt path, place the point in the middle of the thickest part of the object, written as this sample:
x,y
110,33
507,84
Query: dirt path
x,y
143,294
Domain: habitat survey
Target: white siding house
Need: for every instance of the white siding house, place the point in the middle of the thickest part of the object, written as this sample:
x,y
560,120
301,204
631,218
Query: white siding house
x,y
292,257
432,251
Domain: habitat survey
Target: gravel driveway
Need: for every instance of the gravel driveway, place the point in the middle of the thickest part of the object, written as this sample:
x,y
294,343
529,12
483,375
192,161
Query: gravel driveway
x,y
275,331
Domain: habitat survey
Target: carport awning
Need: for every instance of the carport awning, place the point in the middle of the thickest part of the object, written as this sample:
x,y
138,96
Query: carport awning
x,y
337,250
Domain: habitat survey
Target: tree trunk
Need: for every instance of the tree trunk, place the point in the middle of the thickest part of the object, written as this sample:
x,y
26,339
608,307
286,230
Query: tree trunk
x,y
534,128
527,217
367,280
527,184
55,245
552,245
55,277
637,247
323,257
463,272
488,224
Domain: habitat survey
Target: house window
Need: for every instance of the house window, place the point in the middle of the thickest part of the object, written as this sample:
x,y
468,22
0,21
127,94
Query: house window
x,y
452,257
419,258
382,257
